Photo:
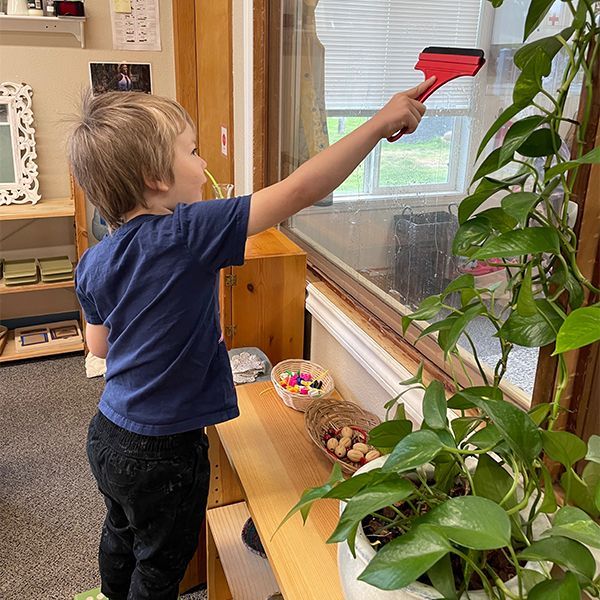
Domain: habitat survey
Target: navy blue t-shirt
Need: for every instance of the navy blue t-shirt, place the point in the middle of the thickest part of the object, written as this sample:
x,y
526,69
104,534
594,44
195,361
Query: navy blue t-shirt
x,y
154,284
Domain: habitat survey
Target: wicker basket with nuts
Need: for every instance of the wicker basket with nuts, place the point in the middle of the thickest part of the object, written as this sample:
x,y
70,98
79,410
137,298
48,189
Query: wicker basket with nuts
x,y
340,429
349,445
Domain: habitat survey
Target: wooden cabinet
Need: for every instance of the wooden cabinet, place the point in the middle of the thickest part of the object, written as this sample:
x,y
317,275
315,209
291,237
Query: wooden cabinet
x,y
262,302
269,477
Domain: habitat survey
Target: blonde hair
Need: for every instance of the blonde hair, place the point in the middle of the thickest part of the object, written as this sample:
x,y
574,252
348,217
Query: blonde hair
x,y
121,141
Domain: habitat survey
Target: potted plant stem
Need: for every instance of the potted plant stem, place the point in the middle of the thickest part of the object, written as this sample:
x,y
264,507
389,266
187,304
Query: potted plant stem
x,y
465,507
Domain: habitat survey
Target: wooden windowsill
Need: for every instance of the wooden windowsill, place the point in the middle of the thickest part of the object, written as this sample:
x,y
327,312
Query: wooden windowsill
x,y
398,348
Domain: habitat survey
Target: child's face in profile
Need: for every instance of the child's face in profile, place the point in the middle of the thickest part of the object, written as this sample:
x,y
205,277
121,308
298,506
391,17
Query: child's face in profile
x,y
188,170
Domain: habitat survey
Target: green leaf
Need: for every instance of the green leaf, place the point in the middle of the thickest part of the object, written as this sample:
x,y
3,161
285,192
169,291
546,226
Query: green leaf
x,y
504,118
575,524
565,552
310,495
548,505
593,452
538,9
593,156
414,450
471,235
442,578
580,328
460,283
471,521
462,399
563,447
492,481
525,302
428,309
534,331
459,324
351,486
462,425
490,164
519,205
416,378
483,191
519,431
370,499
531,578
575,290
543,142
386,435
549,46
488,437
591,477
556,589
581,495
539,413
405,558
501,221
518,134
434,406
529,83
520,241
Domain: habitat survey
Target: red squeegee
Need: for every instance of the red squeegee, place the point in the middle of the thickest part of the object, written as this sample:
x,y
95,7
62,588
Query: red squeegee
x,y
445,64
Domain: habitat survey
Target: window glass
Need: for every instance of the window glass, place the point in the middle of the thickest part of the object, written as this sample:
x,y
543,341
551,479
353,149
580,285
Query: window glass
x,y
390,225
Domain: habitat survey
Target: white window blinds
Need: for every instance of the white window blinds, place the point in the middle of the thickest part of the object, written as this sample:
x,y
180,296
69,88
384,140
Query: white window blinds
x,y
371,47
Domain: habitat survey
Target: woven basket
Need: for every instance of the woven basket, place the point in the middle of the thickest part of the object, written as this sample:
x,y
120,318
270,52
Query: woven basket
x,y
3,337
301,401
325,414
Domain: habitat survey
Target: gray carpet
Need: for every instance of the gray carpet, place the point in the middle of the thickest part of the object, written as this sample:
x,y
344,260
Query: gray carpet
x,y
50,509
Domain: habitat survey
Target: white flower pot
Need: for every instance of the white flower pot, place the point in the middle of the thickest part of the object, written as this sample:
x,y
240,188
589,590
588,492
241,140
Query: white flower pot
x,y
350,568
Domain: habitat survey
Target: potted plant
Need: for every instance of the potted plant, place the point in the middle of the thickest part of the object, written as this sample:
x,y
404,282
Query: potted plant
x,y
466,507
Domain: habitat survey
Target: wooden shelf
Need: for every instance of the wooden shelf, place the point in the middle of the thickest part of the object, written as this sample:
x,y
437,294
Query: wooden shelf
x,y
249,576
34,287
37,24
44,209
10,354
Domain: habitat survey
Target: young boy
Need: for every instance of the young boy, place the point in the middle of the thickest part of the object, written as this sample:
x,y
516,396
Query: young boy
x,y
150,299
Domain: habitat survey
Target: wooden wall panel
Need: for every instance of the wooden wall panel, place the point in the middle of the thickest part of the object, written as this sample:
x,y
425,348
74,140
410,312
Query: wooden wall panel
x,y
214,60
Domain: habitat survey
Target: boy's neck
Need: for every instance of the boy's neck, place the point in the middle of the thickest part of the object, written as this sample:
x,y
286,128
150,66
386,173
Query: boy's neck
x,y
155,205
146,211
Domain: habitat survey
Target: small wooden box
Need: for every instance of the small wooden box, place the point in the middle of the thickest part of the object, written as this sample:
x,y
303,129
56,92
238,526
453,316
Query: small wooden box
x,y
49,335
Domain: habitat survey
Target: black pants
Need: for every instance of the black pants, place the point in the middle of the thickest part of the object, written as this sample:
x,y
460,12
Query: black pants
x,y
155,489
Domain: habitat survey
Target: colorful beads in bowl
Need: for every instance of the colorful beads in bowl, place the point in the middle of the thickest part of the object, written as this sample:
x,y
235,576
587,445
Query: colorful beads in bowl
x,y
301,383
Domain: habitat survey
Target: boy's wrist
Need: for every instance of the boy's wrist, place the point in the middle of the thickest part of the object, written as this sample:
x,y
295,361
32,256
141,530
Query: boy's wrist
x,y
376,126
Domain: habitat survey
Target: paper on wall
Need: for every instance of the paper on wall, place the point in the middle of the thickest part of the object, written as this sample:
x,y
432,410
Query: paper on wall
x,y
138,29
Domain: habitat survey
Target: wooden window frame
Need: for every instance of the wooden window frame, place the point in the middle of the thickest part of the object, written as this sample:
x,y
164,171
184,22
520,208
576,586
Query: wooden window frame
x,y
580,415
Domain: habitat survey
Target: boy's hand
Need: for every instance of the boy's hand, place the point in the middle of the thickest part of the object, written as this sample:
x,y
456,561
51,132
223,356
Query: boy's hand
x,y
403,112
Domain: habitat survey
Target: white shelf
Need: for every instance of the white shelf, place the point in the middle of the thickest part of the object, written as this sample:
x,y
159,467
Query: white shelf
x,y
72,25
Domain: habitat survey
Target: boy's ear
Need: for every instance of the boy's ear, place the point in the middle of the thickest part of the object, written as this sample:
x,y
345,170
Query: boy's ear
x,y
156,185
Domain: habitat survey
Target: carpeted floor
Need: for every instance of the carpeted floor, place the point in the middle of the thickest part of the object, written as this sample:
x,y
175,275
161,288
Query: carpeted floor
x,y
50,509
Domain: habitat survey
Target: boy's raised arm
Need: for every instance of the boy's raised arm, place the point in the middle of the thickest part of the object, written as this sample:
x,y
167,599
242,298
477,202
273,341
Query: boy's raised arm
x,y
323,173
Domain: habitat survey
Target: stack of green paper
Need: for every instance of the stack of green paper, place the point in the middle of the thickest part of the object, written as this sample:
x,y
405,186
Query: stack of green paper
x,y
19,272
58,268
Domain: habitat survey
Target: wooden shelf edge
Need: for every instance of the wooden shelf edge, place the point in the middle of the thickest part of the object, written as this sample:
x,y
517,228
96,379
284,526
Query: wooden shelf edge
x,y
35,287
10,354
248,575
44,209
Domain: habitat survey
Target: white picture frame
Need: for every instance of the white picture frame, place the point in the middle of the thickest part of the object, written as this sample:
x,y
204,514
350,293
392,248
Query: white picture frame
x,y
18,169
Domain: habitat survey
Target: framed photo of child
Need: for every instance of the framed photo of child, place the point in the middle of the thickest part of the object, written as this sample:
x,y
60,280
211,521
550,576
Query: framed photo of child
x,y
120,77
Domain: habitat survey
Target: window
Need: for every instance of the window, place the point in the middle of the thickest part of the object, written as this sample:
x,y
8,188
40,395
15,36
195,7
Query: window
x,y
369,50
389,226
